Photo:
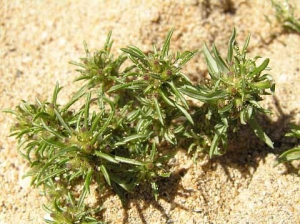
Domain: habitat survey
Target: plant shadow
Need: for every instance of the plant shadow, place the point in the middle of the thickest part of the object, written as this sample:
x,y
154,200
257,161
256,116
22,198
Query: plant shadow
x,y
243,155
245,151
144,199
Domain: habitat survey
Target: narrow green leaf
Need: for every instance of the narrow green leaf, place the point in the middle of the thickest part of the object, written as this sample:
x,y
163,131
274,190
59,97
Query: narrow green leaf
x,y
219,60
295,132
141,64
78,64
289,155
75,97
226,108
255,104
82,197
53,142
243,116
128,161
143,125
261,85
107,122
52,131
79,119
42,172
86,49
198,94
147,89
62,121
55,93
179,128
260,68
157,107
64,152
163,174
132,116
96,121
178,94
10,111
231,47
186,114
211,63
40,149
56,206
259,132
79,173
121,183
135,52
166,46
162,93
186,56
153,151
108,43
19,134
221,130
155,190
48,210
105,174
50,175
137,84
106,157
184,77
71,198
246,44
87,110
88,179
42,115
170,137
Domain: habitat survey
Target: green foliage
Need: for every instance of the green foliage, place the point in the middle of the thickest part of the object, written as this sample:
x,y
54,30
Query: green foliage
x,y
294,153
285,15
231,96
130,122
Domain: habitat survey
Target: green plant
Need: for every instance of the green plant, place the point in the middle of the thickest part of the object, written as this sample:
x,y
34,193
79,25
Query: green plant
x,y
121,128
294,153
285,15
230,97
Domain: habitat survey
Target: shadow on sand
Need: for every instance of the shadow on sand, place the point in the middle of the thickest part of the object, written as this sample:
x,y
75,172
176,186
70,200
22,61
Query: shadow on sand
x,y
244,154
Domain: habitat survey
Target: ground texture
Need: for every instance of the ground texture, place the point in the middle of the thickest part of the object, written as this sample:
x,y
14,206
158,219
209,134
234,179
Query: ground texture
x,y
39,38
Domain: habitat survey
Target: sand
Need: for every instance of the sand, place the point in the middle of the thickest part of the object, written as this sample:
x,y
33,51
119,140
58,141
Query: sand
x,y
39,38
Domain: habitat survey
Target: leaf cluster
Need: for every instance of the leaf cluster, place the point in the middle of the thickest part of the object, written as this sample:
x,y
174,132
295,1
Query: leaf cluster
x,y
294,153
131,120
285,15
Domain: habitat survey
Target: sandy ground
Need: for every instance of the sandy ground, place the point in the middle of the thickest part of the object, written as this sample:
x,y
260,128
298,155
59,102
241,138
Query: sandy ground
x,y
39,38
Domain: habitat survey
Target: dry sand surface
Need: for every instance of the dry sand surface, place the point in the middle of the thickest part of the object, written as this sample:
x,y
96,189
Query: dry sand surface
x,y
39,38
